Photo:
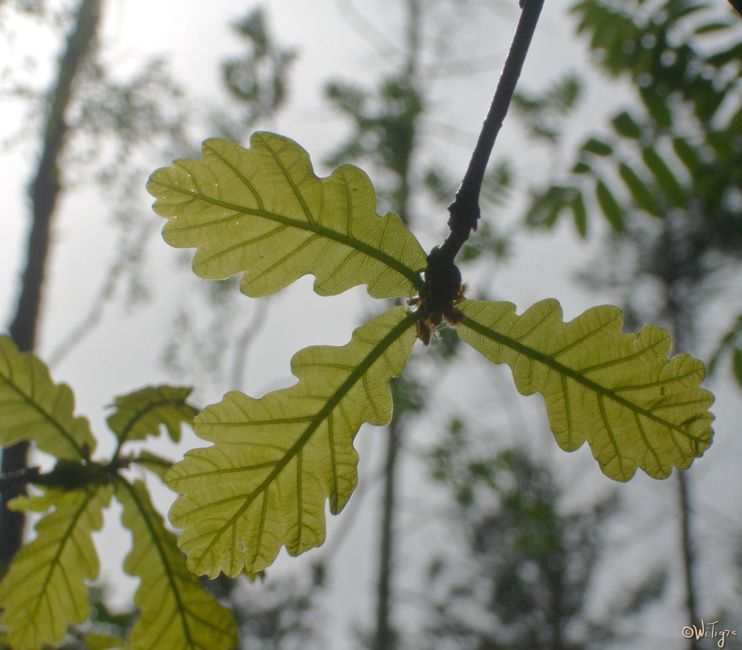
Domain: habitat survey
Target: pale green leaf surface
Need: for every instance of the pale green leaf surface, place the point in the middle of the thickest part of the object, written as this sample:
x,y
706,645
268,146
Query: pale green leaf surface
x,y
176,612
142,413
44,590
276,460
635,408
154,463
33,407
98,641
263,211
36,502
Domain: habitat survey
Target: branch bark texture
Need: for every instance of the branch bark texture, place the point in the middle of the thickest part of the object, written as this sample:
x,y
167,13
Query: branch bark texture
x,y
465,211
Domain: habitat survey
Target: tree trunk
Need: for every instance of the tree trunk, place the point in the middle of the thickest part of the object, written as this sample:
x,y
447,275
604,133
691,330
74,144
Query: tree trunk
x,y
385,638
44,191
682,332
689,557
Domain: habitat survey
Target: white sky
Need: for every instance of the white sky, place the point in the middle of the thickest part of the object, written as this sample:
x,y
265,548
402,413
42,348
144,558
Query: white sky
x,y
194,37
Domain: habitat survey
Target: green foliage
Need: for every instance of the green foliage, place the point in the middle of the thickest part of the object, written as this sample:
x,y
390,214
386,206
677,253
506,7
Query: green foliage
x,y
175,610
731,345
544,114
143,412
618,391
276,460
34,408
667,180
263,211
258,79
44,590
664,163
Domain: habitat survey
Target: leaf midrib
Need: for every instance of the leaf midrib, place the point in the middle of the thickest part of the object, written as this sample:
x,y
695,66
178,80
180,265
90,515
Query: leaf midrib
x,y
140,414
56,562
360,370
346,240
36,406
571,373
157,541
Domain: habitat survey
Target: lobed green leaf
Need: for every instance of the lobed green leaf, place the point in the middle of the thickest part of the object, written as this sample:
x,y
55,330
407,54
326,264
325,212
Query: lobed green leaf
x,y
176,612
44,590
635,408
276,460
263,211
33,407
141,413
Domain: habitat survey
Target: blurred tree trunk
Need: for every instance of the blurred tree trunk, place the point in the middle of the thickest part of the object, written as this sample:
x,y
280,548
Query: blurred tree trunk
x,y
682,332
44,192
385,637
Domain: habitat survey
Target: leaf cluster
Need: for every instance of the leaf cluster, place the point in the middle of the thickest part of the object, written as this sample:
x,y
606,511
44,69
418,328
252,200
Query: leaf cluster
x,y
666,172
44,589
276,461
675,152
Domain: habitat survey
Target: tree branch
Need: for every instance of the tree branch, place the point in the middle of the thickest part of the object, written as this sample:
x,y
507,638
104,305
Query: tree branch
x,y
442,288
465,210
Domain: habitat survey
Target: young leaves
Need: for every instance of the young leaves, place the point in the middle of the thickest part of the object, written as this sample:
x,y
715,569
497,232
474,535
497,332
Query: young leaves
x,y
143,412
175,610
44,590
635,408
276,460
35,408
263,211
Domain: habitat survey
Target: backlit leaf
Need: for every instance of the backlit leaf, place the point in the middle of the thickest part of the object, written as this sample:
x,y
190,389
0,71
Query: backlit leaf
x,y
626,125
154,463
639,191
143,412
635,408
44,590
597,147
666,180
33,407
580,214
263,211
176,612
276,460
610,207
737,365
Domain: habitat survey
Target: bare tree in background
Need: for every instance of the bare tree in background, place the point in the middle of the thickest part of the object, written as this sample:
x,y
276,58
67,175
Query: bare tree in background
x,y
44,191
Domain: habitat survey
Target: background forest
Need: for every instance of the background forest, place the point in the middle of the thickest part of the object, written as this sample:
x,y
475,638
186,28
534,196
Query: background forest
x,y
617,179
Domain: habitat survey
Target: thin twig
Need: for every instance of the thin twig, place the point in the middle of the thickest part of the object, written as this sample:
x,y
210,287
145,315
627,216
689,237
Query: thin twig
x,y
465,210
